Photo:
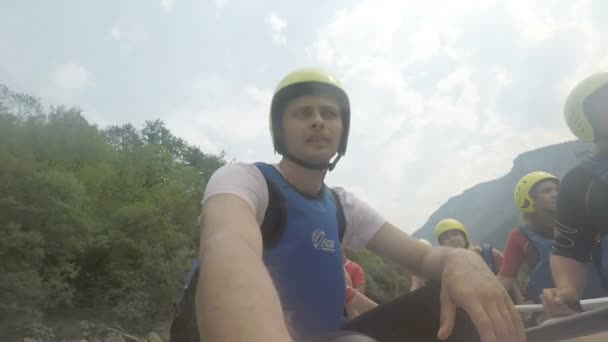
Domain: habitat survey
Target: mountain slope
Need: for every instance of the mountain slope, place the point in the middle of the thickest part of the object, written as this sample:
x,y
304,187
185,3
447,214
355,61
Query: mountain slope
x,y
488,210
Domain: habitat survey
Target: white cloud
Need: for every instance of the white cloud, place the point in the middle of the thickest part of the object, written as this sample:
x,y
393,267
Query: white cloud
x,y
277,25
11,71
219,6
167,4
221,3
445,99
129,37
67,83
220,114
94,115
116,33
444,93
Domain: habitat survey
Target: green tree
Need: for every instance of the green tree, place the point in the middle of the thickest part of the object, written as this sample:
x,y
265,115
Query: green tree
x,y
94,224
384,281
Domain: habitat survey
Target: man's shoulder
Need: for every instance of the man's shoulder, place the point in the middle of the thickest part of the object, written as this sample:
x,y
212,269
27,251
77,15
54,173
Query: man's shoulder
x,y
346,197
238,178
580,173
236,167
517,234
236,172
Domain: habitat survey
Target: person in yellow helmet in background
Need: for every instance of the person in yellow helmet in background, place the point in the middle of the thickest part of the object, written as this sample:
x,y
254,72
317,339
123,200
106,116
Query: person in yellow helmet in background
x,y
581,231
419,282
535,195
452,233
271,237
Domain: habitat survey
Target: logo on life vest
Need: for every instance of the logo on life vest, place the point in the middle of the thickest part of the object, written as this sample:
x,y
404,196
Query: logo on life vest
x,y
320,242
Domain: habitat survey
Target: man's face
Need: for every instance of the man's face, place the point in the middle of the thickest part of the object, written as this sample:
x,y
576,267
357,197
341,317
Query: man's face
x,y
544,195
312,127
453,238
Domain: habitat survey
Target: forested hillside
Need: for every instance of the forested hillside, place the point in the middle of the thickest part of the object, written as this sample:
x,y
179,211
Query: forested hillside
x,y
95,224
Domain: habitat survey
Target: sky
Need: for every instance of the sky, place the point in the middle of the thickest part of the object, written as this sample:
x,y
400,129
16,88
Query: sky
x,y
444,94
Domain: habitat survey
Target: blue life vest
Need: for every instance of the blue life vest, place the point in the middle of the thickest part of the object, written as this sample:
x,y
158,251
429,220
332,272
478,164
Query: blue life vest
x,y
541,277
306,265
487,253
301,238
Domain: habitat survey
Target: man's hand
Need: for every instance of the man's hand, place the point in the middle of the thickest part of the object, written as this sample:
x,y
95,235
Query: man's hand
x,y
358,304
558,302
418,282
467,282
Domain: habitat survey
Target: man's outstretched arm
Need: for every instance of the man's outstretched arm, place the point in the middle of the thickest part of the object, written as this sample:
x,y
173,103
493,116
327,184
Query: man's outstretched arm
x,y
466,282
236,299
569,276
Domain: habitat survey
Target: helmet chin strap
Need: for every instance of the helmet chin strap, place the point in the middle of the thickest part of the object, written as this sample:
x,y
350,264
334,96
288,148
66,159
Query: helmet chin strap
x,y
313,166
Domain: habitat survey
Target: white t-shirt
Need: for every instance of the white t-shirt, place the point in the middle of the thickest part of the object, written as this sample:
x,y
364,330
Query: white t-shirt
x,y
246,181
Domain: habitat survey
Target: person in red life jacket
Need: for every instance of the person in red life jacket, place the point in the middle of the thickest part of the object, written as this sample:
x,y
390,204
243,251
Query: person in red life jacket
x,y
271,238
355,273
356,302
580,248
535,196
349,281
452,233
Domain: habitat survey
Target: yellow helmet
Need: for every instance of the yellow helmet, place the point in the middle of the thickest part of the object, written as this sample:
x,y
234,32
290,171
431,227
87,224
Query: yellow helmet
x,y
523,200
447,225
574,109
301,82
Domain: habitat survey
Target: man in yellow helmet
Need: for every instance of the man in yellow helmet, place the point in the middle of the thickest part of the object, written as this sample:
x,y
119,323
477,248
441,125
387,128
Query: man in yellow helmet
x,y
535,195
271,234
452,233
581,239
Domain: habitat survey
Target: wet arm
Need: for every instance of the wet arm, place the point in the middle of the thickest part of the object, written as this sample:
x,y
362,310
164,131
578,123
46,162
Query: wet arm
x,y
569,274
